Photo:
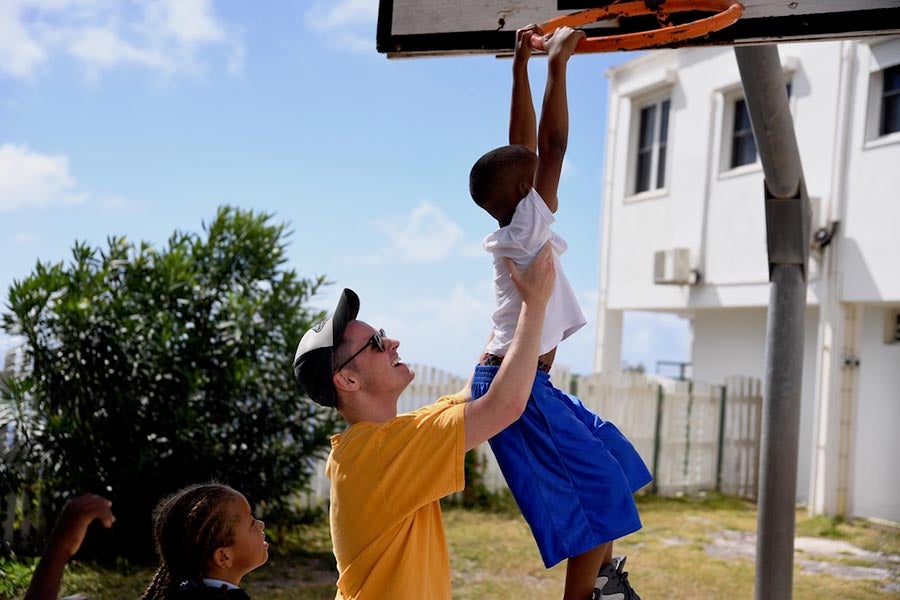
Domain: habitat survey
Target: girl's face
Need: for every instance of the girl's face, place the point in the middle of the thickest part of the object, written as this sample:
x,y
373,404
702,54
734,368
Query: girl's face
x,y
250,549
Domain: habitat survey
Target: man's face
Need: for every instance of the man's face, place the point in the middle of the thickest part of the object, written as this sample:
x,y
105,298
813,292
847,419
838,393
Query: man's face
x,y
377,372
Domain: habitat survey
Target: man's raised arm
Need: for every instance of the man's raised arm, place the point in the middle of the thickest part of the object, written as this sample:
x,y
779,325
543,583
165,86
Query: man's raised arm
x,y
505,401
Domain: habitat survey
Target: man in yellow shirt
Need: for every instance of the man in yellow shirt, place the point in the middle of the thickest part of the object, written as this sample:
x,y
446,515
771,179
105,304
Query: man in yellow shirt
x,y
389,471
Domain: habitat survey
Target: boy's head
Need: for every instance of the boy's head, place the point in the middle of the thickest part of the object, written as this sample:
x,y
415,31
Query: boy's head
x,y
501,178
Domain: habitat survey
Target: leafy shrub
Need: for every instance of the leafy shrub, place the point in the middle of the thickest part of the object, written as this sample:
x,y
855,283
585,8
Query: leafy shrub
x,y
151,369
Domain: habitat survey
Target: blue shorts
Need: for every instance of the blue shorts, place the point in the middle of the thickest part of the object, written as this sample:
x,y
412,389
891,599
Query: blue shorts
x,y
572,474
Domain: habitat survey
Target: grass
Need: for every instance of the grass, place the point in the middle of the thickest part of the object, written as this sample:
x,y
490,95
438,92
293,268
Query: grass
x,y
494,557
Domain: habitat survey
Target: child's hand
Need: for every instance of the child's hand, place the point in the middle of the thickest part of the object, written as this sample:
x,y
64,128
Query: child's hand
x,y
72,524
562,43
523,41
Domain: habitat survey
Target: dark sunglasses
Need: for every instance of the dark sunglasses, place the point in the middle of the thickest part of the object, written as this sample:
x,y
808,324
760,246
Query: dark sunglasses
x,y
377,340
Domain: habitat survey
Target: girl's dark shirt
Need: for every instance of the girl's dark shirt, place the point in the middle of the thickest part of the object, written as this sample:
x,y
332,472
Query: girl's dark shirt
x,y
192,591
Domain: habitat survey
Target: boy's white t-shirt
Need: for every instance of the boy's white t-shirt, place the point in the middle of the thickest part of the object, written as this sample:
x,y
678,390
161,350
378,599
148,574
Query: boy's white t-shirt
x,y
521,241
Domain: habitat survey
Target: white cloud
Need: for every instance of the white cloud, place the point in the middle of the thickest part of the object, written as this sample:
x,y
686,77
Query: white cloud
x,y
350,24
356,42
186,21
166,36
425,235
20,53
333,16
26,237
101,49
111,202
447,331
568,169
32,179
473,249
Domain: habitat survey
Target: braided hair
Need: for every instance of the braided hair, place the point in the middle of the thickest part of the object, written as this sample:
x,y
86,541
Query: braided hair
x,y
188,527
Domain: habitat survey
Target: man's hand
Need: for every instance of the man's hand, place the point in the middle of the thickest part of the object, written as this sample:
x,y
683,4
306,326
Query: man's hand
x,y
536,282
72,524
562,43
523,42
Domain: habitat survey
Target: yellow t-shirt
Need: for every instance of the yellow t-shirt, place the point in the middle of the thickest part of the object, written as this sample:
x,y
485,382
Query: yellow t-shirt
x,y
386,483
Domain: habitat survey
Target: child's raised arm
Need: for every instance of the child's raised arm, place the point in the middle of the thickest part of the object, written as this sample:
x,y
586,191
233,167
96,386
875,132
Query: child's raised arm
x,y
522,123
553,134
64,542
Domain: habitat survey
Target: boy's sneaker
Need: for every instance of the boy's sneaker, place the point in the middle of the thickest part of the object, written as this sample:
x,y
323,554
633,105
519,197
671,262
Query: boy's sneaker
x,y
612,582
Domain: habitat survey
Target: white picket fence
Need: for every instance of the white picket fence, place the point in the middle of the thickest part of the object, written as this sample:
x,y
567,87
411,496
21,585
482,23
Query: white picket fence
x,y
694,437
742,427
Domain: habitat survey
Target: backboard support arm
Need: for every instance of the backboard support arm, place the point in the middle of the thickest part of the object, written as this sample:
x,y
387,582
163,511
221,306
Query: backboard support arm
x,y
788,238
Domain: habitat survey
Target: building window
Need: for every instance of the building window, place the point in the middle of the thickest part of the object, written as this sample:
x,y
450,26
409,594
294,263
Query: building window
x,y
890,101
743,144
653,135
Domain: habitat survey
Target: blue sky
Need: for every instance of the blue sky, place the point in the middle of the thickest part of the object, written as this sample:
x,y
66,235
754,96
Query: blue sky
x,y
137,119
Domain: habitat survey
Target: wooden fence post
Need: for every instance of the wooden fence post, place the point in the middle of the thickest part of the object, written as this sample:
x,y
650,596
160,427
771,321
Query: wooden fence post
x,y
721,449
686,468
657,438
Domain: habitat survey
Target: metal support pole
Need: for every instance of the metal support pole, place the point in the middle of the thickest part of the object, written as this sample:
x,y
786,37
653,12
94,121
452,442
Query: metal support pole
x,y
787,224
780,434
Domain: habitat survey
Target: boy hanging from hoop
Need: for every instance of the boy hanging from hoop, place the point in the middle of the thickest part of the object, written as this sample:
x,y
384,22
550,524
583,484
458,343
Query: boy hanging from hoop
x,y
572,474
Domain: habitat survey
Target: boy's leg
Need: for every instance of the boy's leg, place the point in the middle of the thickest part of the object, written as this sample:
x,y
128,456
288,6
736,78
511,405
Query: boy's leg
x,y
581,572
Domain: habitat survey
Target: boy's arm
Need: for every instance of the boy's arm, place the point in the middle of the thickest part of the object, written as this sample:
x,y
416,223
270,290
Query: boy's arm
x,y
522,124
553,134
505,400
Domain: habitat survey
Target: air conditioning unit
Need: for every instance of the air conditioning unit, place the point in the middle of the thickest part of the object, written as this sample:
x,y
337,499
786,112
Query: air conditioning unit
x,y
673,267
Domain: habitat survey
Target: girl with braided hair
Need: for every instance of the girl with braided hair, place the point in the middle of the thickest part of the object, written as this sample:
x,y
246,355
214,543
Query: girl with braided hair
x,y
207,540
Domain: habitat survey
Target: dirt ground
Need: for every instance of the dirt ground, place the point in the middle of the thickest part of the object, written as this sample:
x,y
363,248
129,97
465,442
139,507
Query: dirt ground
x,y
818,556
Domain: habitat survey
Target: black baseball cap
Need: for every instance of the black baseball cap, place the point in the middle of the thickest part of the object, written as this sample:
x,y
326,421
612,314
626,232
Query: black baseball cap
x,y
314,360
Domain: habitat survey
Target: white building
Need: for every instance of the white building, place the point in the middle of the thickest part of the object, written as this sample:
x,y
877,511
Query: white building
x,y
682,177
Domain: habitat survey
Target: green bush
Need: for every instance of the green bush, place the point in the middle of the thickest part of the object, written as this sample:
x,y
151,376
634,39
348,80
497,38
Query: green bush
x,y
14,576
152,369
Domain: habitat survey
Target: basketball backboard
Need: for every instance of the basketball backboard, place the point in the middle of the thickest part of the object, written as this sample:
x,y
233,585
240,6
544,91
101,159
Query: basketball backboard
x,y
439,27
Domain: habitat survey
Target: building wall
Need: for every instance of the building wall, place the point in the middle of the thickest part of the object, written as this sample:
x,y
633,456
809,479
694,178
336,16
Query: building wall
x,y
869,245
718,212
733,342
875,478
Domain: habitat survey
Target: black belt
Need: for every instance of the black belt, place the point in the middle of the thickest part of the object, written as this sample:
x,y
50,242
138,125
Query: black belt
x,y
492,360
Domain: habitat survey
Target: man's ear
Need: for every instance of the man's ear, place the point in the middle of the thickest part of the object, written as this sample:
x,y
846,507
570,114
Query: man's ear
x,y
343,381
222,557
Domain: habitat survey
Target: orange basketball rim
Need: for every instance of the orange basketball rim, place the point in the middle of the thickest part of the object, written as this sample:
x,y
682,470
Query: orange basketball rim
x,y
727,13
